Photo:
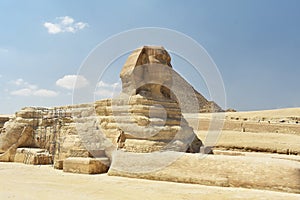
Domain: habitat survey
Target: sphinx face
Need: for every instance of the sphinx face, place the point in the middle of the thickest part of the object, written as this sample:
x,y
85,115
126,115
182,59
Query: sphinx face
x,y
148,72
155,56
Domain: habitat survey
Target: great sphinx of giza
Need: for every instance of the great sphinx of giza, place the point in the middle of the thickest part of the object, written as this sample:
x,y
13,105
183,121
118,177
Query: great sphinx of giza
x,y
148,113
145,117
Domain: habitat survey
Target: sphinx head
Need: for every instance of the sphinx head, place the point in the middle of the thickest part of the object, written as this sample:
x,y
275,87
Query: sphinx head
x,y
148,72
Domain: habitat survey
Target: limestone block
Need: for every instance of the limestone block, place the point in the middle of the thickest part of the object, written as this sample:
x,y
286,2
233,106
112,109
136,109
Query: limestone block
x,y
43,159
96,153
16,133
217,170
59,164
143,146
78,153
86,165
21,157
27,113
33,156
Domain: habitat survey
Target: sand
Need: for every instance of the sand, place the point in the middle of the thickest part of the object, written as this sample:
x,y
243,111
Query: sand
x,y
19,181
268,114
268,142
275,113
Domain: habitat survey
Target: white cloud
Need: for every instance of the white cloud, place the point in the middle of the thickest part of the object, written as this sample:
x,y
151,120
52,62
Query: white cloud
x,y
28,89
108,85
72,81
107,90
52,28
64,24
22,92
81,25
103,84
20,82
1,76
45,93
32,92
66,20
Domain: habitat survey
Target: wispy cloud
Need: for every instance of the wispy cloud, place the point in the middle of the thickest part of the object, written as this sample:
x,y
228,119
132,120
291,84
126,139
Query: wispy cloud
x,y
38,93
107,90
27,89
72,81
45,93
22,92
64,24
21,83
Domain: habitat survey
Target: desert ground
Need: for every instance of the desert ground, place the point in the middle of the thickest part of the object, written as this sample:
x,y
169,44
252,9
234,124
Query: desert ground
x,y
19,181
272,131
264,136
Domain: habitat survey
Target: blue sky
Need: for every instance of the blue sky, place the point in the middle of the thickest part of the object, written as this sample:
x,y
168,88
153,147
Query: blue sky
x,y
255,44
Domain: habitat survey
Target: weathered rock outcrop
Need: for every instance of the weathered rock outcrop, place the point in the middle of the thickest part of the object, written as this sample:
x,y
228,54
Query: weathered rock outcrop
x,y
16,132
23,136
50,130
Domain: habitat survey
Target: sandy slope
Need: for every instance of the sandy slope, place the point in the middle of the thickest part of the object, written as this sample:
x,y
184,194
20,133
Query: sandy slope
x,y
19,181
276,113
253,115
268,142
267,130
